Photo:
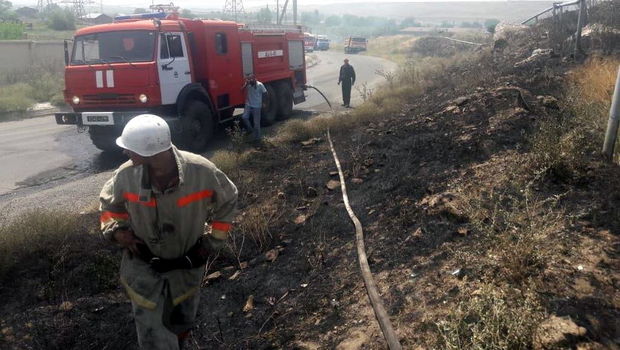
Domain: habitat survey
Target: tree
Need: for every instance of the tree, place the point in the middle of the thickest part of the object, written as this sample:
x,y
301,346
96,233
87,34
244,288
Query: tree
x,y
446,24
311,17
333,21
265,15
409,22
490,25
61,19
5,10
186,13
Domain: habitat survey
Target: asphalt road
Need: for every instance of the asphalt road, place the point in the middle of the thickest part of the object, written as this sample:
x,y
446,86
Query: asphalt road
x,y
54,166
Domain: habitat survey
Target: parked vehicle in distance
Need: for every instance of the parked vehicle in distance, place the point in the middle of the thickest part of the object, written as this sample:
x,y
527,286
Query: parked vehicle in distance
x,y
322,43
355,44
190,72
309,42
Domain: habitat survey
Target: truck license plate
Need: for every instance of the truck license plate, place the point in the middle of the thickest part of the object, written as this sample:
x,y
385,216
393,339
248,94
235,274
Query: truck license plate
x,y
97,118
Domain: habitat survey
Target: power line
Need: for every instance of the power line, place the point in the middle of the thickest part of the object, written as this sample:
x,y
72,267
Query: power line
x,y
234,8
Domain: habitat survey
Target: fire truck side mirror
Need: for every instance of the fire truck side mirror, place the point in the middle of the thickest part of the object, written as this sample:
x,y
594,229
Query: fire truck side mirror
x,y
66,45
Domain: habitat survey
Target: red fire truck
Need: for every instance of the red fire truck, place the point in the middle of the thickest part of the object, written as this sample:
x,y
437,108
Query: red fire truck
x,y
190,72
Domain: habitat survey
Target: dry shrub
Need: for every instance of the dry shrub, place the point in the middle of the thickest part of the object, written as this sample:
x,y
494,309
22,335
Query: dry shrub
x,y
595,79
230,162
565,141
55,256
516,231
491,319
16,98
254,226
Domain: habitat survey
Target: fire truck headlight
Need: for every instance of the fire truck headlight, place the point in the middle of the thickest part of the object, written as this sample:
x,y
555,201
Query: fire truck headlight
x,y
76,100
143,98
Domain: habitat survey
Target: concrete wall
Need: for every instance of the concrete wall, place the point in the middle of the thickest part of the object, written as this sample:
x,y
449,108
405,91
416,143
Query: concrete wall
x,y
19,55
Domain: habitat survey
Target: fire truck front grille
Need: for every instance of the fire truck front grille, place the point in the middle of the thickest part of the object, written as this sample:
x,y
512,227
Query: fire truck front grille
x,y
106,99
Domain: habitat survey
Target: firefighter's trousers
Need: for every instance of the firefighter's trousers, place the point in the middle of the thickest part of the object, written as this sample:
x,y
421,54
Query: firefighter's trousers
x,y
158,328
346,92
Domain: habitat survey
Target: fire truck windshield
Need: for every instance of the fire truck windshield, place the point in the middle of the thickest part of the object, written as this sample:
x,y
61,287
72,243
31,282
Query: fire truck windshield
x,y
114,47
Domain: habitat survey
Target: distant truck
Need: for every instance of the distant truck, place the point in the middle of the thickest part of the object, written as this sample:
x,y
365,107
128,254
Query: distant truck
x,y
190,72
309,42
322,43
355,44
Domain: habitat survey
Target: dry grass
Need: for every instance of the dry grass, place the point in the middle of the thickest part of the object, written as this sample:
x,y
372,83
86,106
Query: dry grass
x,y
21,89
596,79
394,47
492,319
406,85
564,142
55,254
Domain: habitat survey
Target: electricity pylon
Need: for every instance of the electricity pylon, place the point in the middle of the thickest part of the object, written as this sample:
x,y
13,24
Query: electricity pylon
x,y
234,8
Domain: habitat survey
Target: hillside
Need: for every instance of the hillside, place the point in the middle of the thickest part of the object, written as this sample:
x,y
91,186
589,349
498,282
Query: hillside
x,y
509,11
491,222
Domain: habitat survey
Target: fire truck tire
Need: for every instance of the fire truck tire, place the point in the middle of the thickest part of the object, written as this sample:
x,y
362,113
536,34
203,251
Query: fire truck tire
x,y
196,127
104,138
269,112
284,95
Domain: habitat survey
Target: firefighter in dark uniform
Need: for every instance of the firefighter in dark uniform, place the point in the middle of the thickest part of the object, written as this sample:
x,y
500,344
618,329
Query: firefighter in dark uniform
x,y
347,78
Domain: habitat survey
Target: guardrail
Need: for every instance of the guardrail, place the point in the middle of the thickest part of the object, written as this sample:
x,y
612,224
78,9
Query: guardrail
x,y
560,27
555,9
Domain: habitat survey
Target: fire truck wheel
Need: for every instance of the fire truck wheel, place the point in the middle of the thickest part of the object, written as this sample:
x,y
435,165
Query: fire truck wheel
x,y
196,127
269,112
104,138
284,96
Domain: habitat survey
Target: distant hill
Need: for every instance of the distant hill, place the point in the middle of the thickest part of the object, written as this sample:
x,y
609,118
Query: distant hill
x,y
510,11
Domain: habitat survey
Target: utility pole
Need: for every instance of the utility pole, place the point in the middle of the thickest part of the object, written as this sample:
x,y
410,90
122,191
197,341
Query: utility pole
x,y
234,8
614,121
283,12
294,11
580,23
78,6
43,4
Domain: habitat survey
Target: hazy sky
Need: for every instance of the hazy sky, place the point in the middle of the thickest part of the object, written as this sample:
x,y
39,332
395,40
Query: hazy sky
x,y
218,4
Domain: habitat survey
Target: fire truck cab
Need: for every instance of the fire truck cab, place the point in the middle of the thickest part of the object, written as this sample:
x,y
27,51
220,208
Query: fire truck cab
x,y
190,72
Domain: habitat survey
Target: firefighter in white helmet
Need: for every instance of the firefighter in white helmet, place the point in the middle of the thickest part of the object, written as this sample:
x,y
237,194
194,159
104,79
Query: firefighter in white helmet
x,y
155,208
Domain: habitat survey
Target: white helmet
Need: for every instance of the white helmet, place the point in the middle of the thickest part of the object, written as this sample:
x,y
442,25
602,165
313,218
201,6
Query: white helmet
x,y
146,135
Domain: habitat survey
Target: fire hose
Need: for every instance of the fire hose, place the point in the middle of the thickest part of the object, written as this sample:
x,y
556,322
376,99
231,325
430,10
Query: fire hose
x,y
371,287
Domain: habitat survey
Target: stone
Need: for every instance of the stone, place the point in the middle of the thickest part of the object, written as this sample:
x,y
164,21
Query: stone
x,y
272,255
332,185
556,332
300,219
249,304
461,100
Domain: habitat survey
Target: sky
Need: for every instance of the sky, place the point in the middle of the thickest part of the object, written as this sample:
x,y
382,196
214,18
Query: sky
x,y
219,4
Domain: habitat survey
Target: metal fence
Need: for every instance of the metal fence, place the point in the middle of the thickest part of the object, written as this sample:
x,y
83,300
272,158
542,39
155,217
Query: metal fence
x,y
563,23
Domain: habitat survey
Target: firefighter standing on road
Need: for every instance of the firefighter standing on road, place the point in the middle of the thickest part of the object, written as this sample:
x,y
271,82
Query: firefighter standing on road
x,y
347,78
155,208
253,104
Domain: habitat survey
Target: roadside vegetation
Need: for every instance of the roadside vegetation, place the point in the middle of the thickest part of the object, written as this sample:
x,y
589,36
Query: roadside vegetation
x,y
19,91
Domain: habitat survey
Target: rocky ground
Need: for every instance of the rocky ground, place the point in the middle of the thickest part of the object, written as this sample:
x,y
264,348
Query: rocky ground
x,y
480,232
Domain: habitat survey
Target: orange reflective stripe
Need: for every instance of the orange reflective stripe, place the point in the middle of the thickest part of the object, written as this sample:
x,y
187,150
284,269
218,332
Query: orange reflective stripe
x,y
135,198
196,196
221,226
108,215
